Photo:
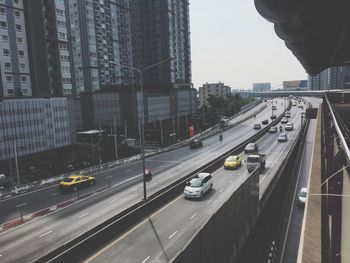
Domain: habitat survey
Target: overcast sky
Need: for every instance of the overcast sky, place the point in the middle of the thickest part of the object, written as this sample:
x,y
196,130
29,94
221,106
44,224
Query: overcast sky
x,y
232,43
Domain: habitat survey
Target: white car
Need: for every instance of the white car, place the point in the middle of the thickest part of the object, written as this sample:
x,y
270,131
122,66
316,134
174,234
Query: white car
x,y
282,137
198,185
302,196
289,126
284,120
287,114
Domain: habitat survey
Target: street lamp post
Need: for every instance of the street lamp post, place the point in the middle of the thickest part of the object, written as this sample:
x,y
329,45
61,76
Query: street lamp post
x,y
141,125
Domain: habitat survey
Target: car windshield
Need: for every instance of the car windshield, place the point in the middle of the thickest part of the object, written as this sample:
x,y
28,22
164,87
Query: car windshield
x,y
303,194
196,182
68,180
231,159
253,159
250,145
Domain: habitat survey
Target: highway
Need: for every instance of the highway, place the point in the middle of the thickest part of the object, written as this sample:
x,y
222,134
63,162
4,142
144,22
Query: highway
x,y
43,234
161,236
119,176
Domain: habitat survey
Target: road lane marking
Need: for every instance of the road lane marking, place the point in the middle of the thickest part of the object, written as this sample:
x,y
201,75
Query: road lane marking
x,y
49,232
127,180
193,216
209,202
172,235
111,201
84,214
222,189
21,205
108,177
55,194
145,260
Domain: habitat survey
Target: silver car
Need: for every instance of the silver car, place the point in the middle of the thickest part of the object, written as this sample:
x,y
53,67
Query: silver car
x,y
289,126
284,120
198,185
251,148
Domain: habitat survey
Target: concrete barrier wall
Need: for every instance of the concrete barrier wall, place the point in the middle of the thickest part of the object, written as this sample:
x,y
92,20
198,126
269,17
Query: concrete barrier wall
x,y
226,229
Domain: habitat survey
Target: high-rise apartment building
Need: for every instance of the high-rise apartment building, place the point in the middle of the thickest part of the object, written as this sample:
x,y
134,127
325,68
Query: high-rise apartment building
x,y
49,51
160,30
101,35
331,78
14,65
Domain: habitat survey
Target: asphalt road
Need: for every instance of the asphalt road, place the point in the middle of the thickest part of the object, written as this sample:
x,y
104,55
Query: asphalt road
x,y
161,236
41,235
124,175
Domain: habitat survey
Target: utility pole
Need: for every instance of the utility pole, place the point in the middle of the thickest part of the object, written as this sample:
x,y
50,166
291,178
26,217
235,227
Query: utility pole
x,y
16,162
98,145
125,131
174,127
161,132
115,139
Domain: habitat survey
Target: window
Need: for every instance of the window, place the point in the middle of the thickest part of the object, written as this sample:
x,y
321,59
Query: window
x,y
19,40
25,91
3,10
3,24
17,13
11,92
9,78
62,35
8,65
22,66
59,12
5,38
21,53
6,52
18,27
16,1
24,78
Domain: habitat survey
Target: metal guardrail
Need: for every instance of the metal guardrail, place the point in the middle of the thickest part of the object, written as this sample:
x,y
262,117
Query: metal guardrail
x,y
99,235
343,143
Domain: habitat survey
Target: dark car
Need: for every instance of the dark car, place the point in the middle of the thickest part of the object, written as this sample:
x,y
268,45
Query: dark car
x,y
264,122
196,143
257,126
273,117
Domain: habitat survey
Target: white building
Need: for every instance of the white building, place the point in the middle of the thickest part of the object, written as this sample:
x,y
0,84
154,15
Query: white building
x,y
218,90
14,63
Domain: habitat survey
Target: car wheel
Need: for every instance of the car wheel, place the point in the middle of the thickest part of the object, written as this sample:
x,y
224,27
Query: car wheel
x,y
211,186
201,194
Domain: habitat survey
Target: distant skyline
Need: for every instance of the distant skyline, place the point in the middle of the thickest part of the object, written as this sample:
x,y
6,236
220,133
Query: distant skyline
x,y
232,43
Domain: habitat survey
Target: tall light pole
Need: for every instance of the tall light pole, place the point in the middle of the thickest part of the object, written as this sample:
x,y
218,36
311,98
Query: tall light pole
x,y
141,125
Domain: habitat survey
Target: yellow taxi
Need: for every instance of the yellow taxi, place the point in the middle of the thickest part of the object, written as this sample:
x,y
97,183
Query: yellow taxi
x,y
75,182
232,162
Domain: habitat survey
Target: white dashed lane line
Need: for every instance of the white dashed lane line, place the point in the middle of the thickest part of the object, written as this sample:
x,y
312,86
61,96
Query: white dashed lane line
x,y
146,259
21,205
172,235
84,214
209,202
55,194
108,177
49,232
111,201
222,189
193,216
